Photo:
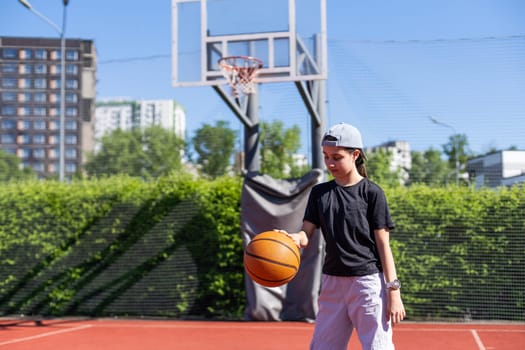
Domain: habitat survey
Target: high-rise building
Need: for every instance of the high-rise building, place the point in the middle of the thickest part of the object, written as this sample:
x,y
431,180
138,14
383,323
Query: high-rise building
x,y
30,82
127,114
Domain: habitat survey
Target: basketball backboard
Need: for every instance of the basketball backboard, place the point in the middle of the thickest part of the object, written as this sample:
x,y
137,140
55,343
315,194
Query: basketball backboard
x,y
288,36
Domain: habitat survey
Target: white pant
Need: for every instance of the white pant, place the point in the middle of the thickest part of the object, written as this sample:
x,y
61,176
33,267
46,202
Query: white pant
x,y
346,303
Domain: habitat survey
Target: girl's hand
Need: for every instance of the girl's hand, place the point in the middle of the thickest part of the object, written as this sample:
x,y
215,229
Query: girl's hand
x,y
396,311
299,238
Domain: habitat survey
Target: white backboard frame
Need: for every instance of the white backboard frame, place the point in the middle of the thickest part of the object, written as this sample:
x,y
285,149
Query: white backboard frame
x,y
303,63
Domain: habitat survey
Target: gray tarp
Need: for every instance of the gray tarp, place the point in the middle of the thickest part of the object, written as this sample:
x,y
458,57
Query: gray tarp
x,y
266,204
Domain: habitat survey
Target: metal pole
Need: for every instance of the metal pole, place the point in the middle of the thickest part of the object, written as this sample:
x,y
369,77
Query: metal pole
x,y
251,135
61,165
60,31
456,144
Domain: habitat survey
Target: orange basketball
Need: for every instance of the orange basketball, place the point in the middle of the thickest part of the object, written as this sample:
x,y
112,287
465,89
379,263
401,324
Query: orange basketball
x,y
271,259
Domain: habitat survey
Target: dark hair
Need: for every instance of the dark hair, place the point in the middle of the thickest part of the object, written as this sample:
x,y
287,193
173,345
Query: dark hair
x,y
359,162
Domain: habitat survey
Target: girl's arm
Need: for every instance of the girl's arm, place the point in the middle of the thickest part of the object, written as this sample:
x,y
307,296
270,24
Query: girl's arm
x,y
396,310
301,238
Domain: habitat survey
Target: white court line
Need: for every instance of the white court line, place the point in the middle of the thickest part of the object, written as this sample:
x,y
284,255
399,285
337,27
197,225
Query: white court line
x,y
486,330
306,327
479,343
19,340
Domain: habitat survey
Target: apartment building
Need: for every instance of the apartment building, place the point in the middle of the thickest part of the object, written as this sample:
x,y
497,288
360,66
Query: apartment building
x,y
30,82
126,114
401,157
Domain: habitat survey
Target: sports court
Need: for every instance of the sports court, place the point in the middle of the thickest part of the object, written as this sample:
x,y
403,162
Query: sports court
x,y
207,51
128,334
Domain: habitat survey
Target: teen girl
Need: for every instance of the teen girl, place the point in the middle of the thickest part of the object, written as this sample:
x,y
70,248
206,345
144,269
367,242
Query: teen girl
x,y
359,288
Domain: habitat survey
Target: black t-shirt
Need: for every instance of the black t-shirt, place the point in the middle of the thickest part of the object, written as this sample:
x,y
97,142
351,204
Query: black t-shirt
x,y
348,217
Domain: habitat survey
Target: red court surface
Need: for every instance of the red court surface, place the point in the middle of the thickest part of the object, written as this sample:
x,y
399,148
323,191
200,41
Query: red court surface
x,y
118,334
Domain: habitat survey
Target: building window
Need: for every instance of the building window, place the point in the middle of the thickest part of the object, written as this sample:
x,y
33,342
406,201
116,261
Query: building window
x,y
26,54
72,69
7,138
72,55
25,124
9,67
40,83
25,110
8,110
39,139
38,166
40,54
40,68
71,125
26,69
39,153
25,97
9,96
71,83
40,97
9,83
39,111
39,124
9,53
25,153
8,124
25,83
71,153
24,139
71,167
71,97
71,111
71,139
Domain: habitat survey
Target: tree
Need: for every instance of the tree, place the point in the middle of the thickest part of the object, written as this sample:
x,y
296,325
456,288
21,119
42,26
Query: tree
x,y
146,153
215,146
379,168
11,169
428,168
278,146
458,152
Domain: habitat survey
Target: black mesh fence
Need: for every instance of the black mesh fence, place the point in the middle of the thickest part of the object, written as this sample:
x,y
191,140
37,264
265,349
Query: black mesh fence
x,y
459,254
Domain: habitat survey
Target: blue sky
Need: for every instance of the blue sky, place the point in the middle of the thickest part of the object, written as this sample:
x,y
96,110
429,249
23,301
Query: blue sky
x,y
392,64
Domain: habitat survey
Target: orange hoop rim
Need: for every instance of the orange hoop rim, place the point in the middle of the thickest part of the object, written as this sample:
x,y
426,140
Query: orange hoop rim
x,y
224,62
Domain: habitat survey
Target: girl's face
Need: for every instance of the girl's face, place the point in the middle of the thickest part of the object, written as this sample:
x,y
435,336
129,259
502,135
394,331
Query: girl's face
x,y
340,161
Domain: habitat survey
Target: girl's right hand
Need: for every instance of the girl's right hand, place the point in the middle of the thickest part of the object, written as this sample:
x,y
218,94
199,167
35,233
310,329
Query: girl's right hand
x,y
299,238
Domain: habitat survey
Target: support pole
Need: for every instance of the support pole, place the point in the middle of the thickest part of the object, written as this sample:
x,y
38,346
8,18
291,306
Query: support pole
x,y
318,128
252,162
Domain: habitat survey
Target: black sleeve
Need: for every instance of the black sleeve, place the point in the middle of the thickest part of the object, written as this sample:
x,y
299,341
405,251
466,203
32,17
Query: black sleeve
x,y
311,213
379,214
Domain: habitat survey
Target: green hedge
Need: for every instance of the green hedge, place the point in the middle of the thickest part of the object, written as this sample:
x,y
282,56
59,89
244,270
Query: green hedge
x,y
172,248
121,246
460,251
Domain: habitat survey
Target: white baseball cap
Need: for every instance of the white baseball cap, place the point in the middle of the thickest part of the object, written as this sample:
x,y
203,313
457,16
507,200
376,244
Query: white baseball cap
x,y
344,135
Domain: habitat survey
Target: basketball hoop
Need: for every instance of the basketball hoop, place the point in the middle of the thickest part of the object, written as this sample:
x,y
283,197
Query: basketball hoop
x,y
240,71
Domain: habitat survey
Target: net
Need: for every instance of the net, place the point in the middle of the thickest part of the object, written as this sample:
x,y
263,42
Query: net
x,y
458,250
240,71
